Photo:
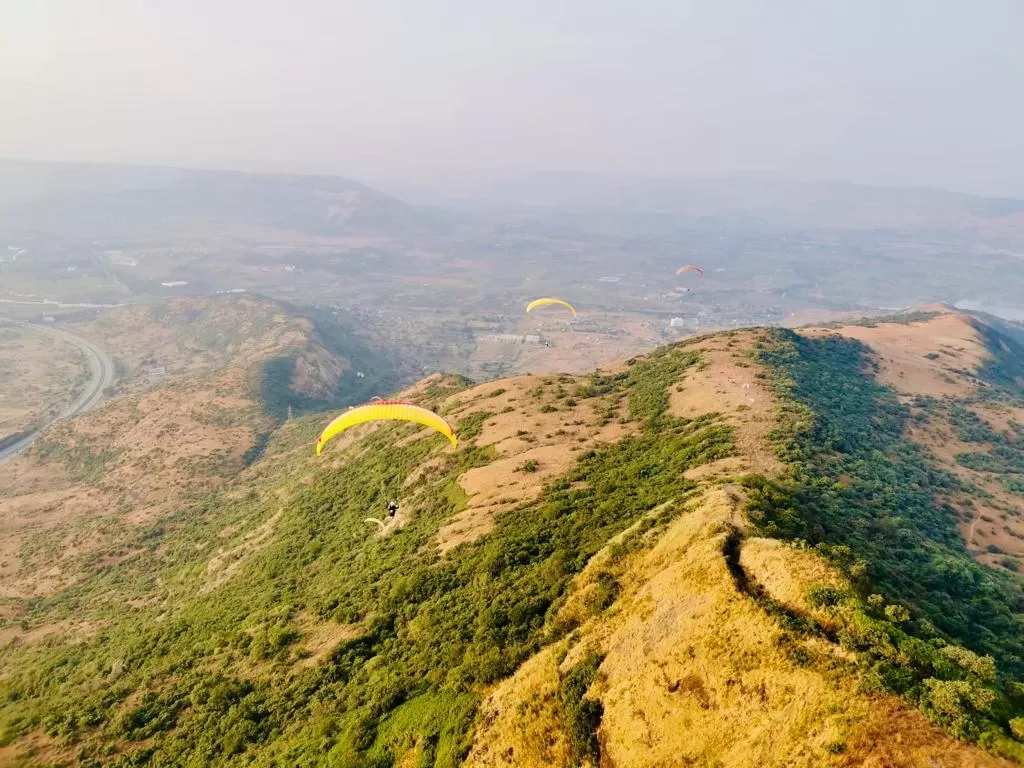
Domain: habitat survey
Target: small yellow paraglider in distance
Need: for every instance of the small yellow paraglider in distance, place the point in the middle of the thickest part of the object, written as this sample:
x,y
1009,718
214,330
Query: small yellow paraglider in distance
x,y
385,410
550,300
690,268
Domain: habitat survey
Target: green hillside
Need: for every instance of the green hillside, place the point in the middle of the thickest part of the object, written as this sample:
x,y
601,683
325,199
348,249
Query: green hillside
x,y
872,503
269,625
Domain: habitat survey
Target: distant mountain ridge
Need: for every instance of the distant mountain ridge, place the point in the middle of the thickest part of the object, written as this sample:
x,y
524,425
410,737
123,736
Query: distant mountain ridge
x,y
639,204
78,199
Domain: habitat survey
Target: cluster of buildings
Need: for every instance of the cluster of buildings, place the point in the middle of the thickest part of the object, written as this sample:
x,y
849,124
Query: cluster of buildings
x,y
515,338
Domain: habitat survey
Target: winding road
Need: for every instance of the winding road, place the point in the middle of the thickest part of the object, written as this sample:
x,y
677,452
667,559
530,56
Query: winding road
x,y
101,376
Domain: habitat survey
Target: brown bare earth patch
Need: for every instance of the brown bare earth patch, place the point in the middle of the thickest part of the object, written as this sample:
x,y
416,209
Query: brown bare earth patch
x,y
993,520
319,638
533,446
498,487
34,749
69,630
521,432
726,385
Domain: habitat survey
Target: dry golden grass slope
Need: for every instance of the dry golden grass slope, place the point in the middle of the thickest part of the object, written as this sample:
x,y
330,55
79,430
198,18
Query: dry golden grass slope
x,y
692,672
139,455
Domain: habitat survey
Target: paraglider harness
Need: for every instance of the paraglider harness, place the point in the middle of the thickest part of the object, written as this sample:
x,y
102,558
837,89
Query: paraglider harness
x,y
392,508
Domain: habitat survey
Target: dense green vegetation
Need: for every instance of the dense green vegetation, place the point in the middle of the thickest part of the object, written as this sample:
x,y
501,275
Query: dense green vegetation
x,y
871,501
221,677
581,716
1003,370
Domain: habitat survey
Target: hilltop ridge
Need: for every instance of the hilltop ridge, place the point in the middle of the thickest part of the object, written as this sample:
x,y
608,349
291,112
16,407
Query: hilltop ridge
x,y
85,199
747,548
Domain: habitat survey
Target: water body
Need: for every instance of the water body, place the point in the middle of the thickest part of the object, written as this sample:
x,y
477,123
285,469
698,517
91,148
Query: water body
x,y
1013,314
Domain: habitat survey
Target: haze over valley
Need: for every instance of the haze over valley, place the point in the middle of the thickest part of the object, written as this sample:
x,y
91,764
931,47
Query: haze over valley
x,y
445,283
449,385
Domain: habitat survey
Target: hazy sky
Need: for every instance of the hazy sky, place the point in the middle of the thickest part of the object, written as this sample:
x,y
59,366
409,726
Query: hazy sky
x,y
891,91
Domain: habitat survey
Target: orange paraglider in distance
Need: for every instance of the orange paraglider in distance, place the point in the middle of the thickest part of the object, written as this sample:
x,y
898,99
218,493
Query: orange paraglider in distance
x,y
690,268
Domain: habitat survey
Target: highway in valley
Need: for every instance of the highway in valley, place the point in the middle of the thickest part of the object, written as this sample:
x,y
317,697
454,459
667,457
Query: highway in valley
x,y
101,376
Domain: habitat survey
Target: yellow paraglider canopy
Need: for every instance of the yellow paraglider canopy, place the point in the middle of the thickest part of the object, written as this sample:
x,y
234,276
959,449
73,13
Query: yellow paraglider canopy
x,y
385,409
545,301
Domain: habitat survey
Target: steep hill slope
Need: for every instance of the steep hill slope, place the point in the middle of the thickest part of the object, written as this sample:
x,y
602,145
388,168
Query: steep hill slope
x,y
726,552
961,381
229,370
40,375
